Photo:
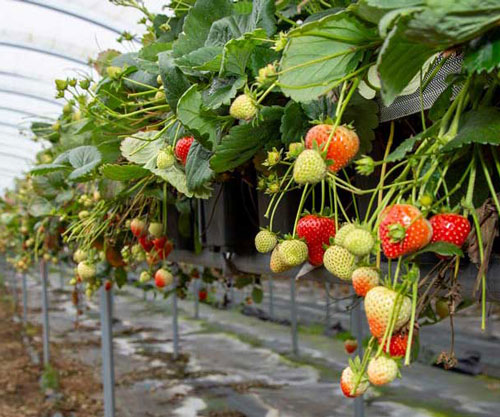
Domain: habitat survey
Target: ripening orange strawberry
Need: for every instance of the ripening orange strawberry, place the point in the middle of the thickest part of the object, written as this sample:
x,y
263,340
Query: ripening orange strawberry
x,y
364,279
343,147
347,381
403,230
379,302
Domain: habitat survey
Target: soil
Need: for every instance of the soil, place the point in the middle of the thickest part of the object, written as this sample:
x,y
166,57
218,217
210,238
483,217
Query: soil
x,y
75,392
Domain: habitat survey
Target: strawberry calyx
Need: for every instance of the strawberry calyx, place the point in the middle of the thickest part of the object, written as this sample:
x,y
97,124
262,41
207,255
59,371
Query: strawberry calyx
x,y
397,232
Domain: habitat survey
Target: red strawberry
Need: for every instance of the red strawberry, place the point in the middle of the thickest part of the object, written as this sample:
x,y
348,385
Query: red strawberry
x,y
108,285
182,148
343,147
163,278
159,242
451,228
403,230
138,227
164,251
397,345
350,345
146,244
316,231
202,295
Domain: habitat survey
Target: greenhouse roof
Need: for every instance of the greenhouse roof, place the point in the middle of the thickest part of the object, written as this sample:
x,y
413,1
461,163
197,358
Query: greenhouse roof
x,y
41,40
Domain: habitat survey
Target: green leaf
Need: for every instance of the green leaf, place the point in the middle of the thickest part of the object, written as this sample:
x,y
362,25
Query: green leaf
x,y
262,16
207,58
140,148
407,145
293,123
485,55
39,206
374,10
244,140
120,277
442,248
64,197
175,82
84,159
175,177
319,109
197,24
399,60
150,52
477,126
190,113
123,172
320,53
43,169
441,104
257,295
237,52
363,114
198,171
222,91
70,136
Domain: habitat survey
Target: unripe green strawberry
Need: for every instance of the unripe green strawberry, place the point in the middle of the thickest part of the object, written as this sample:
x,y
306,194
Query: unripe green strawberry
x,y
276,264
339,261
294,150
243,108
156,229
160,95
86,270
359,242
382,370
165,158
145,276
309,168
83,214
265,241
79,256
343,232
293,252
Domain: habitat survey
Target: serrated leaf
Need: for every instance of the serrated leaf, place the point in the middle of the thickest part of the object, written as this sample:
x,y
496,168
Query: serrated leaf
x,y
175,82
190,113
123,172
198,171
293,123
477,126
243,141
197,24
222,91
207,58
485,56
442,248
441,104
84,159
141,149
39,206
320,53
237,52
43,169
64,197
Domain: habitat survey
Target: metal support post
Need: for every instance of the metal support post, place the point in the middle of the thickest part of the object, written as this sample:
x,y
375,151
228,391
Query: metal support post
x,y
327,309
61,276
108,370
45,313
293,316
196,290
175,322
271,297
25,299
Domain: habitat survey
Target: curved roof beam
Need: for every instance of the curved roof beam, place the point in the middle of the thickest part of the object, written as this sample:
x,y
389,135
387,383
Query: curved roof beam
x,y
67,11
16,75
44,51
15,156
19,111
33,96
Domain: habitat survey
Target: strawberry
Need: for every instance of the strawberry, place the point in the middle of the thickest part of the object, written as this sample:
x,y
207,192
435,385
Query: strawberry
x,y
165,158
202,295
108,285
309,168
350,345
265,241
382,370
85,270
359,242
163,278
276,264
343,232
379,302
339,261
397,345
163,247
182,148
442,308
364,279
450,227
316,231
145,276
155,229
344,144
146,243
137,226
293,252
347,381
79,256
243,107
403,230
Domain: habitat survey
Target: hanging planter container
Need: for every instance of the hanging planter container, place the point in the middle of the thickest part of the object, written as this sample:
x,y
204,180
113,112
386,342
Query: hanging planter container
x,y
180,226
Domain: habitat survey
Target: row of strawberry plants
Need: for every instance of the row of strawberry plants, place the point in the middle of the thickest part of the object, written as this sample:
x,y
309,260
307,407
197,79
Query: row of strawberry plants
x,y
274,106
